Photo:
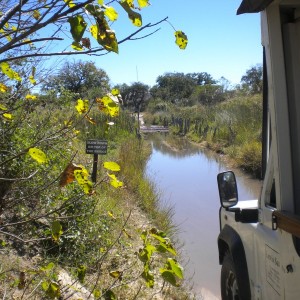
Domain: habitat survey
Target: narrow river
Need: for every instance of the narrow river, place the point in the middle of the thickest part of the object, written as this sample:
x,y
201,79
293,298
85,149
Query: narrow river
x,y
186,180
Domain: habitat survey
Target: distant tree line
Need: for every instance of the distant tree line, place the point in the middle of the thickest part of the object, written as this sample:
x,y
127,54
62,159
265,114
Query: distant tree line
x,y
80,78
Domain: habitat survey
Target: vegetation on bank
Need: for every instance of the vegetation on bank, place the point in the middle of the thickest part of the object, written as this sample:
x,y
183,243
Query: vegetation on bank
x,y
62,240
228,121
232,127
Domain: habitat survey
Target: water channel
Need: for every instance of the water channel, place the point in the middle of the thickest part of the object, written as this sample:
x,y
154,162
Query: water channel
x,y
186,180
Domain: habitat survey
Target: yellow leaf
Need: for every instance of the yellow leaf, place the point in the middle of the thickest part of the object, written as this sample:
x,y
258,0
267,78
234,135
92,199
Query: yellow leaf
x,y
110,213
115,92
126,233
91,120
114,181
77,46
101,2
8,37
82,106
38,155
5,68
112,166
68,123
3,88
129,2
32,80
135,17
70,3
181,39
76,131
36,14
30,97
116,274
2,107
104,35
111,13
108,105
81,176
143,3
7,116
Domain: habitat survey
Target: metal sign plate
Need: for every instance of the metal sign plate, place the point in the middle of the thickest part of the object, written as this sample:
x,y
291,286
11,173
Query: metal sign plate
x,y
96,147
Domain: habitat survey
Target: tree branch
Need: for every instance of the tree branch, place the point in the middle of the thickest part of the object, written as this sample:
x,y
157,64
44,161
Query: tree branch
x,y
92,51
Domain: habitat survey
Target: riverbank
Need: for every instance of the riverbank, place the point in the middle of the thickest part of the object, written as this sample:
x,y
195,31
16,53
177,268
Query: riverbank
x,y
100,245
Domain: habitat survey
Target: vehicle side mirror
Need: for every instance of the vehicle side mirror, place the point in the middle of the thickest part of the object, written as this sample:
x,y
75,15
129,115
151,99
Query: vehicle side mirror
x,y
227,189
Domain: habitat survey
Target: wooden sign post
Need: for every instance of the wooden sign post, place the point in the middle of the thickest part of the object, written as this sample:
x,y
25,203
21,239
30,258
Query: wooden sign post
x,y
95,147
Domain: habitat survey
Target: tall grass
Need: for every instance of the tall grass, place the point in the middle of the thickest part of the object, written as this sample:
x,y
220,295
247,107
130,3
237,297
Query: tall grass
x,y
133,156
232,127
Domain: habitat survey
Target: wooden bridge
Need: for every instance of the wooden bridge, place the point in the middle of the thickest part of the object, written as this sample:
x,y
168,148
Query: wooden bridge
x,y
153,128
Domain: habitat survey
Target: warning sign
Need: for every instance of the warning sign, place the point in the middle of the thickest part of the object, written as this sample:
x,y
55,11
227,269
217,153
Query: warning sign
x,y
96,147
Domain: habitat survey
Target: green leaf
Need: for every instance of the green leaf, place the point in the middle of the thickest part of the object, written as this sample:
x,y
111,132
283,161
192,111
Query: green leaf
x,y
148,276
47,268
45,285
38,155
53,290
144,235
81,271
166,246
146,253
181,39
56,230
116,274
104,35
169,276
109,295
135,17
112,166
78,26
175,267
159,235
94,10
97,293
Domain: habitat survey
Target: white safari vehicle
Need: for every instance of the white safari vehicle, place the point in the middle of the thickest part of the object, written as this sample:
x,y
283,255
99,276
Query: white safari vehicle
x,y
259,242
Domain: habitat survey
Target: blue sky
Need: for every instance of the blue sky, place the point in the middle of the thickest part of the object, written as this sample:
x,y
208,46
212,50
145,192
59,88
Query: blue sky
x,y
220,42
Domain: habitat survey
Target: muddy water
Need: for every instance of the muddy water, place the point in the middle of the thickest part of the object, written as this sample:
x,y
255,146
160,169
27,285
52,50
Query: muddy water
x,y
186,180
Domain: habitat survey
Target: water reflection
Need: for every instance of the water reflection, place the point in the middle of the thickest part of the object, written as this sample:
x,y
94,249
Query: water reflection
x,y
187,180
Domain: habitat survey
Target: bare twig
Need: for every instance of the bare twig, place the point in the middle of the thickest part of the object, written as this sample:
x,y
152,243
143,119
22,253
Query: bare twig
x,y
19,179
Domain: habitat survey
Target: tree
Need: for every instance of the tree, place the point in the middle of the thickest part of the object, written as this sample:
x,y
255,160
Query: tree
x,y
78,77
22,25
202,78
252,81
173,87
135,96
